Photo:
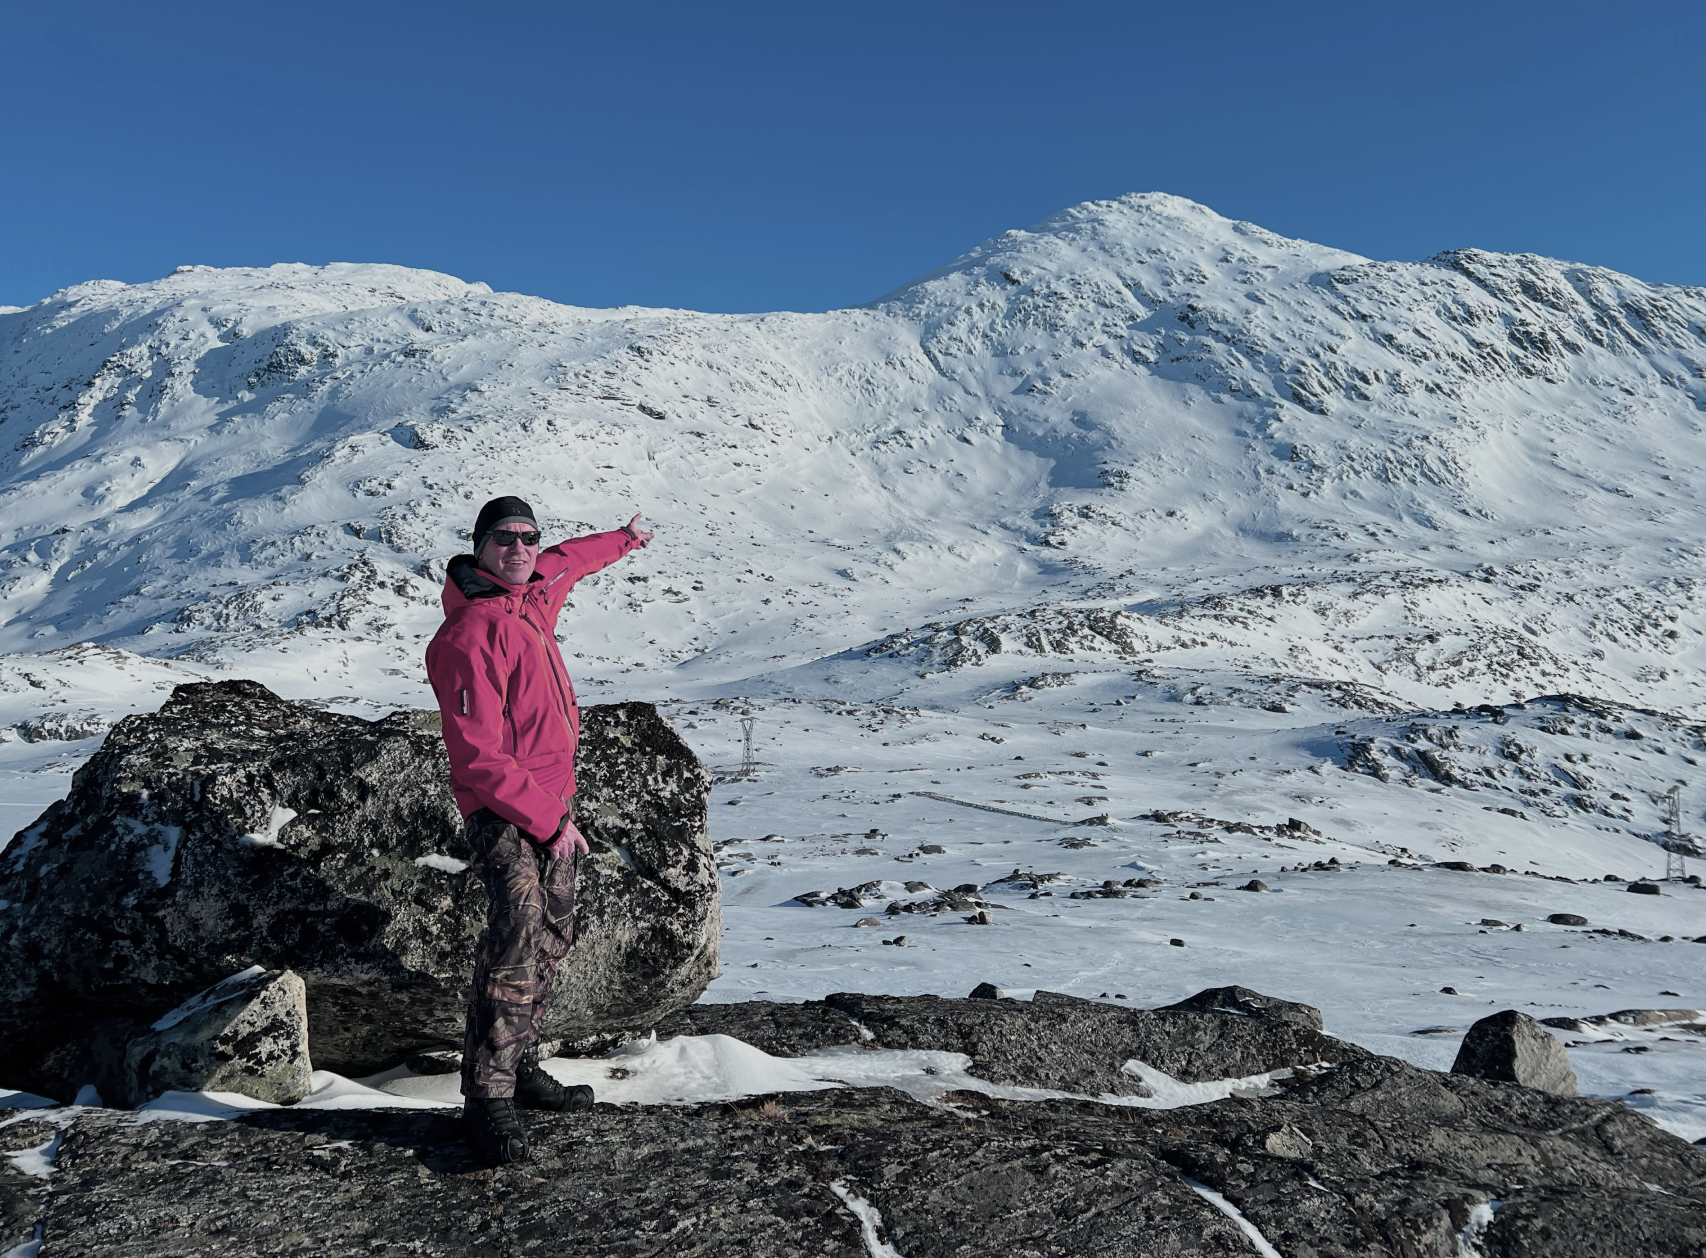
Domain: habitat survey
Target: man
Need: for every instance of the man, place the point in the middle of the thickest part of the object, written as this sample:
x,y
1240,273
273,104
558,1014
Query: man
x,y
511,726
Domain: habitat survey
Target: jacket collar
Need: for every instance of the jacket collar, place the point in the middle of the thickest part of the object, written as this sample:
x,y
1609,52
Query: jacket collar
x,y
472,583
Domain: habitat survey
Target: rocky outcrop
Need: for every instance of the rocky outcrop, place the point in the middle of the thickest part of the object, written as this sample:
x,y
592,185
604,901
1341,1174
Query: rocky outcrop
x,y
232,829
247,1034
1241,1000
1050,1041
1373,1159
1512,1047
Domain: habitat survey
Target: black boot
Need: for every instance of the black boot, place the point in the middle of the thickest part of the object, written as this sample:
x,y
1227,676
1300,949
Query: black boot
x,y
494,1130
535,1089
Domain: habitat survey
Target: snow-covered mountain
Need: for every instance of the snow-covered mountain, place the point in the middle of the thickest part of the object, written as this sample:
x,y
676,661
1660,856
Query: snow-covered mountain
x,y
1455,479
1236,519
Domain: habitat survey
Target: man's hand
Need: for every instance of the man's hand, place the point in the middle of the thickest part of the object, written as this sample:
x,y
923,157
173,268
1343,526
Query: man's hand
x,y
566,842
640,536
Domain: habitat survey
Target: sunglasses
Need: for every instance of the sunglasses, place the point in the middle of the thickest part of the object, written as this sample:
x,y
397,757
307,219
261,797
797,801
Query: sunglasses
x,y
507,539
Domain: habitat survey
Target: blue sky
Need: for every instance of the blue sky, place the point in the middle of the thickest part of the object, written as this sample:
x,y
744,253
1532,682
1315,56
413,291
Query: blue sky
x,y
805,155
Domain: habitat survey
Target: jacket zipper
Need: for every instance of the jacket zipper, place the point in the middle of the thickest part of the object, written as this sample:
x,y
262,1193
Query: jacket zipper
x,y
552,665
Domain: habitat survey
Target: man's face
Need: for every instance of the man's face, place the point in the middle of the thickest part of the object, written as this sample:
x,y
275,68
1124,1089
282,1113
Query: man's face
x,y
507,557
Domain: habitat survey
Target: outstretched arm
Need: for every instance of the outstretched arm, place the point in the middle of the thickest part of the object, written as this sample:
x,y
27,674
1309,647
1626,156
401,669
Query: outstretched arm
x,y
567,562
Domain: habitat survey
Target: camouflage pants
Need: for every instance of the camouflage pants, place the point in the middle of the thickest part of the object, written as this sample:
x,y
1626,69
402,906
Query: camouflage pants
x,y
528,931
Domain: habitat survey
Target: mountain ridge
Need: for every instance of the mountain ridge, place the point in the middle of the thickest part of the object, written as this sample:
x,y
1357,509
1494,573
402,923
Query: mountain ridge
x,y
1134,400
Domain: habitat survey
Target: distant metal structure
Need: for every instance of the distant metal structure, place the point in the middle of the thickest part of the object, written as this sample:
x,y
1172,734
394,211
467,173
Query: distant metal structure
x,y
1678,846
748,765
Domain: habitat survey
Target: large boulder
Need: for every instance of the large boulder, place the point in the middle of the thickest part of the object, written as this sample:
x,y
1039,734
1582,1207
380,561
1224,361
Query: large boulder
x,y
233,828
247,1034
1511,1047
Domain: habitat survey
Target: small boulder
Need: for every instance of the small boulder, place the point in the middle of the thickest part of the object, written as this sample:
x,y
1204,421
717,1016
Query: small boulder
x,y
869,921
1255,884
933,849
1288,1142
1511,1047
1461,866
987,991
1643,888
1252,1004
246,1034
1567,919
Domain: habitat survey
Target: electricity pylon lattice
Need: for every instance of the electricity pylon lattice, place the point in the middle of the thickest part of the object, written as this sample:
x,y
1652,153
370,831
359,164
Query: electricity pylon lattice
x,y
1678,846
748,766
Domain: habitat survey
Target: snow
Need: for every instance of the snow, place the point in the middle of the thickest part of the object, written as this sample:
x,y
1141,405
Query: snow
x,y
1220,1203
38,1161
1141,513
870,1221
224,989
277,819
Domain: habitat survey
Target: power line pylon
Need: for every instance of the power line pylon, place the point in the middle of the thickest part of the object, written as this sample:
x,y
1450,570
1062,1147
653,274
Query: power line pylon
x,y
748,765
1678,846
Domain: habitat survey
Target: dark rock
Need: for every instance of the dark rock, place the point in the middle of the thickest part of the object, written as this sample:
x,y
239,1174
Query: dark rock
x,y
1448,991
933,849
1567,919
1460,866
1374,1159
1692,1021
1511,1047
1643,888
233,828
1050,1041
987,991
1177,943
247,1034
781,1030
438,1061
1076,1045
1241,1000
21,1193
1255,884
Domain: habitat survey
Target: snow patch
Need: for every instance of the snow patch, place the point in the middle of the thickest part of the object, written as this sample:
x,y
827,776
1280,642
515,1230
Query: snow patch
x,y
438,861
1237,1216
276,821
217,994
39,1160
1475,1230
870,1221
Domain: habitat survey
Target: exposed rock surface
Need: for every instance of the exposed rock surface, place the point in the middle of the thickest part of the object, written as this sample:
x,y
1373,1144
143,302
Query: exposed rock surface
x,y
1252,1005
21,1191
1693,1020
1050,1041
1372,1159
232,828
247,1034
1512,1047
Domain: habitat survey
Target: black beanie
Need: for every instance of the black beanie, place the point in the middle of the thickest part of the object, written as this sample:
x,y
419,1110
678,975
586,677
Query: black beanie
x,y
500,511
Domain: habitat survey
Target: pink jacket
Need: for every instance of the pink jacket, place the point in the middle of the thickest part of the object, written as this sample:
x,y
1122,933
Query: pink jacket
x,y
509,715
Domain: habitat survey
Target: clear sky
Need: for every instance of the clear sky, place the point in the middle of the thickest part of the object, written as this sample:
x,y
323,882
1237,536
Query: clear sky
x,y
806,155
